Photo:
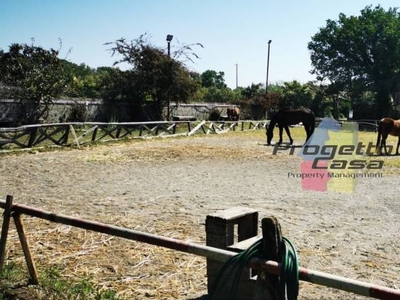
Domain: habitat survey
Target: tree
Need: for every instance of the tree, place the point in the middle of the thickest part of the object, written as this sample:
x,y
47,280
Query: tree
x,y
35,77
294,95
213,79
87,82
253,90
361,53
223,95
153,76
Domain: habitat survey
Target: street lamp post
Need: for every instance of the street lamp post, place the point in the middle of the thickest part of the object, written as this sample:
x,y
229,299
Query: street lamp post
x,y
266,83
169,39
237,78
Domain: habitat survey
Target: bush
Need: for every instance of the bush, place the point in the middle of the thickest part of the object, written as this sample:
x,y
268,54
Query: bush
x,y
78,113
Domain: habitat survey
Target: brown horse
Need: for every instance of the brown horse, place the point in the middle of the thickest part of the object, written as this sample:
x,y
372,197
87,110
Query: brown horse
x,y
233,113
286,117
387,126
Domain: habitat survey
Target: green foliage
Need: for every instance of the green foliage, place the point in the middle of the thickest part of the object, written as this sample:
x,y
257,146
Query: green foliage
x,y
78,112
11,272
34,76
52,285
253,91
153,76
213,79
86,82
295,94
221,95
361,53
214,89
56,287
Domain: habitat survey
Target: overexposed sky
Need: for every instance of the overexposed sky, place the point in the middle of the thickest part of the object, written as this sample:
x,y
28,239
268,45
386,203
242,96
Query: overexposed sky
x,y
232,32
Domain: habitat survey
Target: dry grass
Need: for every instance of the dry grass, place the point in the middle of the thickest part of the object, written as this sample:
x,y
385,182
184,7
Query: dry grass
x,y
136,270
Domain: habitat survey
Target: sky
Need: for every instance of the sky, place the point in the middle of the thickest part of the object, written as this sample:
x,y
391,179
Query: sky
x,y
234,33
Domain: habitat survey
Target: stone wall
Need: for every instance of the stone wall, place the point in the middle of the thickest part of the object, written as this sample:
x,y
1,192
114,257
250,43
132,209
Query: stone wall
x,y
60,111
200,111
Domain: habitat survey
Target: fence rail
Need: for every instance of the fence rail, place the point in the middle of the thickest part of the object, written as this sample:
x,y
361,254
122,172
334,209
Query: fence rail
x,y
69,134
76,133
321,278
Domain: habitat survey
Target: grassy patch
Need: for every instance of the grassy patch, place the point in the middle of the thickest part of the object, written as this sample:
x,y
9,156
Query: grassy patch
x,y
52,285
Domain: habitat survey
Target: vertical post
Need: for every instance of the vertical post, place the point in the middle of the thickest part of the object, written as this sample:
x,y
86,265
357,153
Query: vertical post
x,y
174,129
66,135
169,39
32,136
4,230
237,76
118,132
94,134
267,286
266,82
25,247
71,128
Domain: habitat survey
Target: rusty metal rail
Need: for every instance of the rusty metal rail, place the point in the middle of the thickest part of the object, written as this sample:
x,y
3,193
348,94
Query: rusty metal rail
x,y
321,278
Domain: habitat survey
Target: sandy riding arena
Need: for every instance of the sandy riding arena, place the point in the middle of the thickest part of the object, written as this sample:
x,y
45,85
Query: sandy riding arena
x,y
169,186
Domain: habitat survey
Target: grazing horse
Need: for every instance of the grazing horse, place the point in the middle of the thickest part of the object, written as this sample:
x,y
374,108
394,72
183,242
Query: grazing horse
x,y
285,117
233,113
387,126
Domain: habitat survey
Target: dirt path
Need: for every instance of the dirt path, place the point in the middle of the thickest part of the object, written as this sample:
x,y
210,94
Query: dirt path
x,y
169,186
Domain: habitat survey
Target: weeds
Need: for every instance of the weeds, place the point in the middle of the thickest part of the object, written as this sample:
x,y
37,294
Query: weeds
x,y
52,285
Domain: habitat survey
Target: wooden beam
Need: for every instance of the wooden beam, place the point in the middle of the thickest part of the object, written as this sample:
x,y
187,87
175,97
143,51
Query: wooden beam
x,y
4,230
25,247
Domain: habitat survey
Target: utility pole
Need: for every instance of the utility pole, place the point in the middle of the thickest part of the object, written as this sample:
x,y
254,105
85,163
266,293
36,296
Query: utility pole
x,y
237,80
169,39
266,82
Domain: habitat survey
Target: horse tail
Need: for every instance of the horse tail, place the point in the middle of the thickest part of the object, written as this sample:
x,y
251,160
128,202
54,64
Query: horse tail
x,y
312,123
312,127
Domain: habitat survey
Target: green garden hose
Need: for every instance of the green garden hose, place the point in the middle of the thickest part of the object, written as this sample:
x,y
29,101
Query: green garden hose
x,y
288,281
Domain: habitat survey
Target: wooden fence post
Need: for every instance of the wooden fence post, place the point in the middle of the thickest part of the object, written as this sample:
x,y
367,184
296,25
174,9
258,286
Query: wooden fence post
x,y
32,136
25,247
94,134
66,135
72,130
267,286
4,230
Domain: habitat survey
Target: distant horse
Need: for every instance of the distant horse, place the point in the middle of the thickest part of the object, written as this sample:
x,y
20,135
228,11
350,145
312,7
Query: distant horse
x,y
387,126
233,113
285,117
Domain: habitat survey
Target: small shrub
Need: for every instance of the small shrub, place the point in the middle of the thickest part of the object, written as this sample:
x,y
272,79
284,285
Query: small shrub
x,y
52,285
78,113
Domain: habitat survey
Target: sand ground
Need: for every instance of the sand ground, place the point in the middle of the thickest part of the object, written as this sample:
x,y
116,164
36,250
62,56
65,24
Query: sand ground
x,y
169,186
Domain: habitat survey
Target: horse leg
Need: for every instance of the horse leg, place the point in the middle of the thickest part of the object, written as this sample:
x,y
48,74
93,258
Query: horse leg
x,y
384,143
398,143
280,134
378,148
288,133
308,131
